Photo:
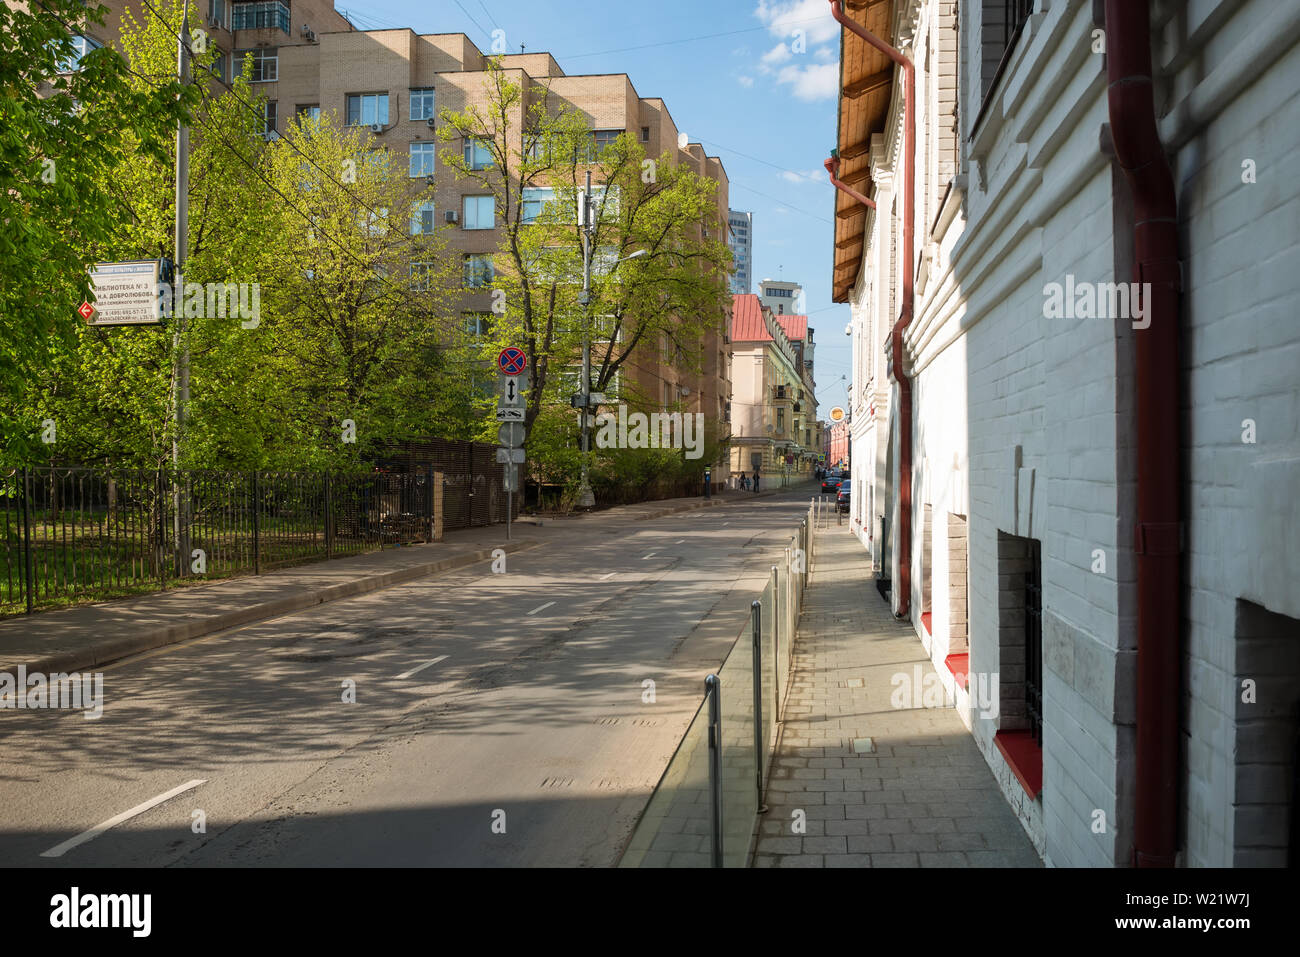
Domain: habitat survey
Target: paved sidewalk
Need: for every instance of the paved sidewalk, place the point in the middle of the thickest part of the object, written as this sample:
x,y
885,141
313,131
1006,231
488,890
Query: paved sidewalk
x,y
87,636
925,797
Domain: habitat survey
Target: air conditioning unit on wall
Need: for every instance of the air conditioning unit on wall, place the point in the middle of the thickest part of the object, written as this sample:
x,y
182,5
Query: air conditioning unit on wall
x,y
376,128
452,216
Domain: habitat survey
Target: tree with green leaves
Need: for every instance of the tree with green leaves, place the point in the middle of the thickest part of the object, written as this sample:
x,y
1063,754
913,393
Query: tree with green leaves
x,y
359,294
74,122
538,151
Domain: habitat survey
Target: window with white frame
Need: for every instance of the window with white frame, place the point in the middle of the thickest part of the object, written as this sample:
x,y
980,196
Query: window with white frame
x,y
81,46
422,103
533,200
422,159
367,109
479,212
422,219
479,271
265,64
270,115
478,323
420,272
477,154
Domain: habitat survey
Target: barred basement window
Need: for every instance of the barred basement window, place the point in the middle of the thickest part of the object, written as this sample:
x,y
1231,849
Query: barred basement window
x,y
1034,639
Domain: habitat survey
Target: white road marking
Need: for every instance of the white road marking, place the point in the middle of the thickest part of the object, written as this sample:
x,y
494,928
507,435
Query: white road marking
x,y
651,555
417,670
681,541
541,608
61,849
606,578
725,524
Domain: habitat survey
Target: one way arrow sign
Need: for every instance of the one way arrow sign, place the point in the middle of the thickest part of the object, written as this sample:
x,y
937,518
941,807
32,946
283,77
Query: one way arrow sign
x,y
512,388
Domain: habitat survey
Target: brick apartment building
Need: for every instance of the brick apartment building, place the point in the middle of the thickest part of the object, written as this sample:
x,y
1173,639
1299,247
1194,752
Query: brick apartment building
x,y
1029,551
307,57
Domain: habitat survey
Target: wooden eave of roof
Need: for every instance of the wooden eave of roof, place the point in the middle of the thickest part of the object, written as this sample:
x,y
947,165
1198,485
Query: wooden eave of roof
x,y
866,87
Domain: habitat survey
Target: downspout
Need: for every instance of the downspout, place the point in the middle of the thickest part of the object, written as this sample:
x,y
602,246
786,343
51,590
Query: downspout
x,y
903,591
833,168
1157,538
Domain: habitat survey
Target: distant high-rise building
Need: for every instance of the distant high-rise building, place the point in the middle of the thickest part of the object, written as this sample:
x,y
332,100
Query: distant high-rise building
x,y
783,298
742,249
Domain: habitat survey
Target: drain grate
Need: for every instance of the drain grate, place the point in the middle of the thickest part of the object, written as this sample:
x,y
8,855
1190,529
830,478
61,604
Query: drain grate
x,y
552,784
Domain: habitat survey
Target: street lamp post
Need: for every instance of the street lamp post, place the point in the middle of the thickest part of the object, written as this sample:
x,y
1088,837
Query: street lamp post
x,y
585,497
587,223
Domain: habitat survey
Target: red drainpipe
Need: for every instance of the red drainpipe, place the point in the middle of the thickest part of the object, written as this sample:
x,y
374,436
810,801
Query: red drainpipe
x,y
1159,508
902,590
833,167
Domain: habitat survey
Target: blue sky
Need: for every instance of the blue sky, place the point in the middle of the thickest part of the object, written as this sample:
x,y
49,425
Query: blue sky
x,y
753,80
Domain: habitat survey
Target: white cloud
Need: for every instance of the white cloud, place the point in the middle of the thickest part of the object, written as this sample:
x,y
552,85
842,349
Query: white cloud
x,y
745,81
783,17
825,53
810,176
778,54
819,81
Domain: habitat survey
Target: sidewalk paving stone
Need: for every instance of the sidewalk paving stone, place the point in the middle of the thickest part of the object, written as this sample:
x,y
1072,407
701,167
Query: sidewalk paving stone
x,y
924,797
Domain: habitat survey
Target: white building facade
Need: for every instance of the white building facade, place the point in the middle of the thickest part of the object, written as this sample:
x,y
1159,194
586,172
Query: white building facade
x,y
1023,355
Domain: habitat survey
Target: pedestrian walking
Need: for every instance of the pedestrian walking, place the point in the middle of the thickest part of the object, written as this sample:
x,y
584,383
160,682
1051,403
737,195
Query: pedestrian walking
x,y
755,481
742,482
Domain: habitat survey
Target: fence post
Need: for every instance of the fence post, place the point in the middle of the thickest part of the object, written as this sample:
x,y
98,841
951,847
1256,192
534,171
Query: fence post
x,y
257,551
776,650
439,478
29,564
160,507
329,516
713,689
760,745
428,498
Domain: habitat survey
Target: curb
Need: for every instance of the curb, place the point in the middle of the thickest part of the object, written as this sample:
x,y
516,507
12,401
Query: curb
x,y
102,654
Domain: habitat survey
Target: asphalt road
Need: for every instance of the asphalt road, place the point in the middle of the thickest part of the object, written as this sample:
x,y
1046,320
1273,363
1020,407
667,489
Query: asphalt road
x,y
499,719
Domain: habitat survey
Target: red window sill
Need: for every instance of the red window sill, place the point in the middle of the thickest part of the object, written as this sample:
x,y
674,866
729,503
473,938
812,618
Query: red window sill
x,y
925,622
959,665
1025,756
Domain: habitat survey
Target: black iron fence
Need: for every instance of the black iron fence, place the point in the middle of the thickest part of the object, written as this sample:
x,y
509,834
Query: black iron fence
x,y
71,535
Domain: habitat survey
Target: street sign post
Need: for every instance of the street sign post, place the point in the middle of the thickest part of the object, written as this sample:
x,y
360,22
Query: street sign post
x,y
512,361
513,382
126,294
511,435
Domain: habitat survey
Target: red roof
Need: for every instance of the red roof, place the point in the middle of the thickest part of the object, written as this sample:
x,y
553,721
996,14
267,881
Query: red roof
x,y
747,323
796,327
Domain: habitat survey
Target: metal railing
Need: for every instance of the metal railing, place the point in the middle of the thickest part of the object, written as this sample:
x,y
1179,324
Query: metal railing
x,y
74,535
704,810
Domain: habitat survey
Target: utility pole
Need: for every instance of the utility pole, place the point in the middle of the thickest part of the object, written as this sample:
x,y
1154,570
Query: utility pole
x,y
180,334
586,221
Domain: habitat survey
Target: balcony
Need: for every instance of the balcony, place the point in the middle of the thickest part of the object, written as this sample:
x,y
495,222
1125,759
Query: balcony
x,y
262,15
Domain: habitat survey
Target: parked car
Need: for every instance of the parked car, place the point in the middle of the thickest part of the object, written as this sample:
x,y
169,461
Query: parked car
x,y
832,481
842,496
